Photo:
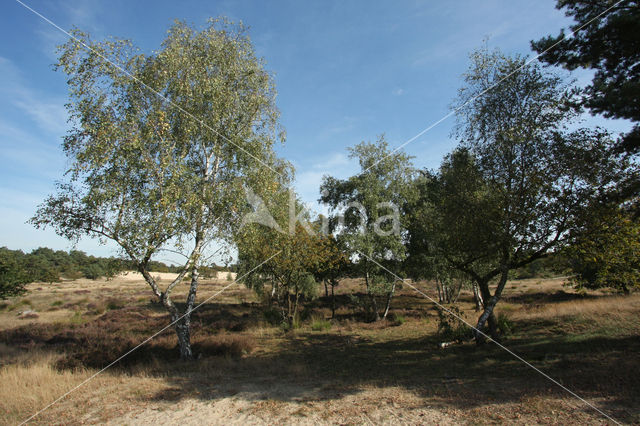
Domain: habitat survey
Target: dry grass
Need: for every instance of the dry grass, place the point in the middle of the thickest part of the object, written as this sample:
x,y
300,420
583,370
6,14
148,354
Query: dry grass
x,y
31,382
353,371
613,306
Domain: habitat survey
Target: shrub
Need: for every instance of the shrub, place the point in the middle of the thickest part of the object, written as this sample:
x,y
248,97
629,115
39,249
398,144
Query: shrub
x,y
505,325
273,316
450,327
96,308
288,326
76,318
227,345
320,324
113,304
306,314
362,304
399,319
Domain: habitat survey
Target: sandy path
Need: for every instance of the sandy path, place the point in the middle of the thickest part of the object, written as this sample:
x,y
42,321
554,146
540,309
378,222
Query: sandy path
x,y
375,406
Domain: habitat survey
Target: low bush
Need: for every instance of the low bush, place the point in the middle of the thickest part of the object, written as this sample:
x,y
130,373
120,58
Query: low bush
x,y
505,325
450,327
227,345
398,319
113,304
76,318
273,316
320,324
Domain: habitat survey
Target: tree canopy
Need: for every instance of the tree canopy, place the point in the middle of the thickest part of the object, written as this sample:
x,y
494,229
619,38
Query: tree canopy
x,y
605,39
606,251
366,214
520,179
162,146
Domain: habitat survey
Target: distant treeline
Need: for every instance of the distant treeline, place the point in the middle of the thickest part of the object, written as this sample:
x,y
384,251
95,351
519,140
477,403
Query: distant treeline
x,y
552,265
47,265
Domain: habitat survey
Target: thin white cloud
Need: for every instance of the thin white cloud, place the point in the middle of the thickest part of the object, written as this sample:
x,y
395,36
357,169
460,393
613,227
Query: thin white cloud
x,y
335,160
398,92
29,153
344,125
47,112
309,179
49,115
82,14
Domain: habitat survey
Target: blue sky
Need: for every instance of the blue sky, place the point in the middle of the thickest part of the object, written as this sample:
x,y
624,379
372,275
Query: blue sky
x,y
345,71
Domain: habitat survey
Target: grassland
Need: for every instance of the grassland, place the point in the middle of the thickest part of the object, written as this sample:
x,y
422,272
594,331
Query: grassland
x,y
341,370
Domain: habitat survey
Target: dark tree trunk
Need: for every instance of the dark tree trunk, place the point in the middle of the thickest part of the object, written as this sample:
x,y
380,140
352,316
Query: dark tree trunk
x,y
289,310
326,288
374,306
295,308
333,301
440,295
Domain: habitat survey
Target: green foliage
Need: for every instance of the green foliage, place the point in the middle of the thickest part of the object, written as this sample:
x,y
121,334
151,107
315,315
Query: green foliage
x,y
335,263
163,145
289,262
364,305
47,265
505,325
92,272
113,304
606,42
606,252
399,319
12,274
274,316
320,324
76,318
453,219
546,267
450,327
520,180
365,213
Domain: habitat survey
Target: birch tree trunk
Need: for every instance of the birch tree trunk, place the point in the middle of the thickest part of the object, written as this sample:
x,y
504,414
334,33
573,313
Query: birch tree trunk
x,y
477,297
389,296
487,315
183,324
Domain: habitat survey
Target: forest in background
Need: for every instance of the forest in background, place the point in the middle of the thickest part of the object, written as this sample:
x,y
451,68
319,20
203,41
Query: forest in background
x,y
47,265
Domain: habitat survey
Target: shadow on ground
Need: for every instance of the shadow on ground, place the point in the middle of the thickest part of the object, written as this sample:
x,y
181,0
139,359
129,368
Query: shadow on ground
x,y
324,366
328,365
